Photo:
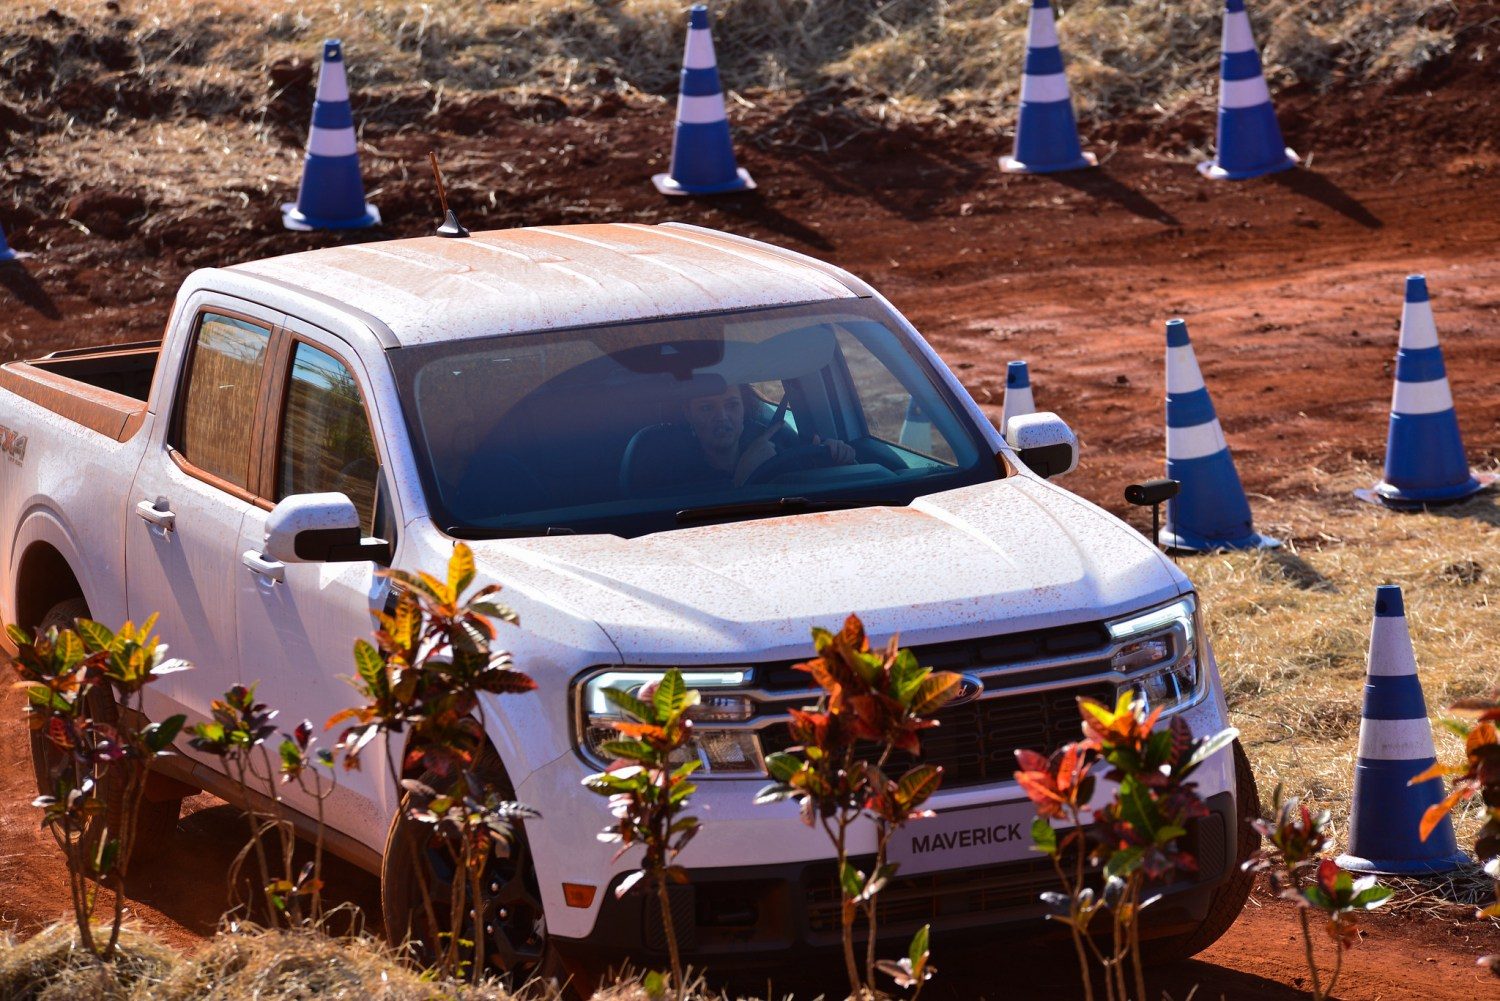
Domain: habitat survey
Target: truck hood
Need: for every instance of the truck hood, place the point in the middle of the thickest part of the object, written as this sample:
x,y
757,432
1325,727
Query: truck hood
x,y
1006,556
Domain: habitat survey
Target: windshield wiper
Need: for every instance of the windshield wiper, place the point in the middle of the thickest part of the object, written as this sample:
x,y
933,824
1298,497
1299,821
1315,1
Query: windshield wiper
x,y
519,532
779,505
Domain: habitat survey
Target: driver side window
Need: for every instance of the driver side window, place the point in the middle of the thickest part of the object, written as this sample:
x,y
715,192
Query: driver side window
x,y
326,443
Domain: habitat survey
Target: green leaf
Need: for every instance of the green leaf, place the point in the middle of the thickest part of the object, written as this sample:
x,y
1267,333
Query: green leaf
x,y
672,698
783,766
629,704
851,880
96,636
371,668
906,676
1138,808
934,692
1209,746
495,610
917,785
630,750
774,793
918,951
680,792
160,735
1122,863
1371,898
1043,836
654,983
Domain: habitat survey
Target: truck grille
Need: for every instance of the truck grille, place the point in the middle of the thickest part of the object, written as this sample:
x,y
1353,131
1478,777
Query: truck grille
x,y
976,743
931,898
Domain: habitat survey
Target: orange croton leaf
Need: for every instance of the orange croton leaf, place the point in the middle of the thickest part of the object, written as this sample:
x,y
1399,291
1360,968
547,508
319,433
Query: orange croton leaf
x,y
1481,736
1435,813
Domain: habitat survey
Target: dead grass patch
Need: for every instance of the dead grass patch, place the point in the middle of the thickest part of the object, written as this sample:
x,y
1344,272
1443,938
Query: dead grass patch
x,y
1291,628
922,57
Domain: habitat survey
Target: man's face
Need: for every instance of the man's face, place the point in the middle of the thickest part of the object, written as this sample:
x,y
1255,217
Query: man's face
x,y
717,420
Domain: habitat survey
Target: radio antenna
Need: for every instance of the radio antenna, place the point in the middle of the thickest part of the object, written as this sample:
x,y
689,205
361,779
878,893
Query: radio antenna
x,y
451,227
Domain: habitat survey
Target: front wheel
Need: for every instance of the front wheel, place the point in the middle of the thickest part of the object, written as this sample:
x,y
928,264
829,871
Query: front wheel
x,y
1230,896
509,919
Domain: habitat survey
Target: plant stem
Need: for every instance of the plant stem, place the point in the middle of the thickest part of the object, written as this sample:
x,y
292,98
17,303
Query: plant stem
x,y
665,900
1312,966
423,887
1338,967
241,766
846,908
1077,935
1135,936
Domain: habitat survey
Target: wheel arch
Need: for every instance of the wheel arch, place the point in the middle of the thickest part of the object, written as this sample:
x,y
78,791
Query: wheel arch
x,y
44,579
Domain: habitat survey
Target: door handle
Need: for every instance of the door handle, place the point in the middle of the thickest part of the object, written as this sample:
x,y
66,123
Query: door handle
x,y
272,570
161,517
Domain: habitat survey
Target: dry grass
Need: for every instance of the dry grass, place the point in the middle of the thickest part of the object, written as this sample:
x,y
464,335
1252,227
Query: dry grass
x,y
1291,627
918,56
250,965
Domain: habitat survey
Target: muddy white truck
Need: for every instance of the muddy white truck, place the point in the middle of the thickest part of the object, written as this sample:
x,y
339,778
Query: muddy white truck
x,y
672,447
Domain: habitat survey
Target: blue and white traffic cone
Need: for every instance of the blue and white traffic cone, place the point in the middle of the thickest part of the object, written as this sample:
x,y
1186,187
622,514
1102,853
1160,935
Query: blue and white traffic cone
x,y
1018,399
702,151
6,253
1250,142
1395,745
1424,452
1210,510
916,428
332,195
1046,131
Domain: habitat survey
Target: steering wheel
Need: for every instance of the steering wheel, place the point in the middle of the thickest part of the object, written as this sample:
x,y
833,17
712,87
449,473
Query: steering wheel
x,y
793,460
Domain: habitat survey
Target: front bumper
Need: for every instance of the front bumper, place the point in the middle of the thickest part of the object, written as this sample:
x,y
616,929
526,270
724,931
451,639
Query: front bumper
x,y
784,917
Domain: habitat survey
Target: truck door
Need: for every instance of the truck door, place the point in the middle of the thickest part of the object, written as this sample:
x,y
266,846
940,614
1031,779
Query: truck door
x,y
192,491
298,622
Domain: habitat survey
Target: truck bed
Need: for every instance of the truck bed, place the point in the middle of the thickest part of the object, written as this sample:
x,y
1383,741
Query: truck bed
x,y
104,389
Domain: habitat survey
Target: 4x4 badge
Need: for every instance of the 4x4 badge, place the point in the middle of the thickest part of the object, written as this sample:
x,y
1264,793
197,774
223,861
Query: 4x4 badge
x,y
13,444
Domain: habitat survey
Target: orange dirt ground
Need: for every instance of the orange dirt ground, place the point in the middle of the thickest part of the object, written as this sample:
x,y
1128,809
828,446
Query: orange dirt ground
x,y
1291,285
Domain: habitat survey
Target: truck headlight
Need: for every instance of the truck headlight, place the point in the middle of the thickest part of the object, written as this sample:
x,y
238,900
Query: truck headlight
x,y
1159,654
723,739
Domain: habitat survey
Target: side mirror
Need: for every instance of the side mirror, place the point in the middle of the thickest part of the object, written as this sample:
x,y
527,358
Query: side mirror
x,y
319,528
1044,442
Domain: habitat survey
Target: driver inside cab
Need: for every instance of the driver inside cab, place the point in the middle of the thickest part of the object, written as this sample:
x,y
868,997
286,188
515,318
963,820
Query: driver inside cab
x,y
717,445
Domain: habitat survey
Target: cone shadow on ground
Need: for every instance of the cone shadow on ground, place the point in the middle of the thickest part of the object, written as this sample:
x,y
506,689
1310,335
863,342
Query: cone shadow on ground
x,y
752,206
1322,190
19,281
1101,186
1484,508
881,164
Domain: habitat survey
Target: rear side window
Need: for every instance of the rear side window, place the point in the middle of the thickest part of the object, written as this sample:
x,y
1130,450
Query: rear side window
x,y
216,420
325,436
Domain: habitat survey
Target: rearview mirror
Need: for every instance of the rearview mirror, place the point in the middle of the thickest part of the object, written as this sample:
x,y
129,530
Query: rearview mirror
x,y
1044,442
320,528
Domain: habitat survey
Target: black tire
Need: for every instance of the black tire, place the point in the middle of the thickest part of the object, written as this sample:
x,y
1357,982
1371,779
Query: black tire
x,y
517,943
157,818
1231,895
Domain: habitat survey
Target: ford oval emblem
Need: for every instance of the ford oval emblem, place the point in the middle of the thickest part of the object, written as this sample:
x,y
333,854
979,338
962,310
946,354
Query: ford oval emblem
x,y
969,689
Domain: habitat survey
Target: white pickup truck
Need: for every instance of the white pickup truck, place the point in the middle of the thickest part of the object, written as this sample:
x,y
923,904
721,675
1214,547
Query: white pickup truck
x,y
672,447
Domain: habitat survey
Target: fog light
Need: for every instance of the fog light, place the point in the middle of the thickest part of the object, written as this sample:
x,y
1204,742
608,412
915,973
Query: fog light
x,y
729,751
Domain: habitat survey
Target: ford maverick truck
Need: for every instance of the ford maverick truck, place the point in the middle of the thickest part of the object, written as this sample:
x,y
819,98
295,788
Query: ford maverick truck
x,y
672,447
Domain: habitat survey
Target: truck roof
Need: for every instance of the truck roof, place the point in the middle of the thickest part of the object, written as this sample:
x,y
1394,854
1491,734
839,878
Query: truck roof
x,y
547,277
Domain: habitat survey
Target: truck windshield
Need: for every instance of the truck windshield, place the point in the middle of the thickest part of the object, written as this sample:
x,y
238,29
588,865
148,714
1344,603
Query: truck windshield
x,y
640,427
